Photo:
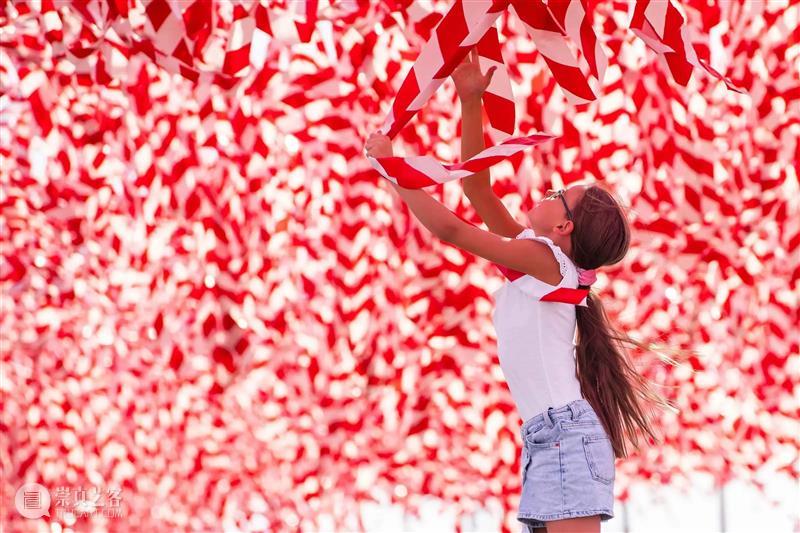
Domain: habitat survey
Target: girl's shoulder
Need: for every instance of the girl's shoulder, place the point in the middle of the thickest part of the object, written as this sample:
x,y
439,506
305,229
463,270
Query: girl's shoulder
x,y
568,270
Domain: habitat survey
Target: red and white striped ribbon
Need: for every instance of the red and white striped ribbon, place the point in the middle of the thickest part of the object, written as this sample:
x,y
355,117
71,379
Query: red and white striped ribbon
x,y
466,25
662,27
415,172
564,295
551,26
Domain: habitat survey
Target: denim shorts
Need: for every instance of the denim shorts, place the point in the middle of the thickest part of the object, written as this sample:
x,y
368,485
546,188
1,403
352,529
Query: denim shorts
x,y
567,466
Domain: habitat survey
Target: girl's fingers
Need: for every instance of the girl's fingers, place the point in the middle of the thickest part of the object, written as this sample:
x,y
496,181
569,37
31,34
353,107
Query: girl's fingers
x,y
489,76
373,138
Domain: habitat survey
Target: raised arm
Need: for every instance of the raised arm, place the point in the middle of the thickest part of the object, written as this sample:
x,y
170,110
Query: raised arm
x,y
470,85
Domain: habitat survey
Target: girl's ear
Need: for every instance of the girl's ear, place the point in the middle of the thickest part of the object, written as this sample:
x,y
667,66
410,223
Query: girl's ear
x,y
566,227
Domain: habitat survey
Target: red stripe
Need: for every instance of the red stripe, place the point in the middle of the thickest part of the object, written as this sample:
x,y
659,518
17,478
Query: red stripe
x,y
565,295
530,140
236,60
570,78
501,112
239,12
508,273
638,20
408,91
680,68
476,165
450,32
157,11
559,12
489,46
182,53
535,14
589,41
406,175
262,20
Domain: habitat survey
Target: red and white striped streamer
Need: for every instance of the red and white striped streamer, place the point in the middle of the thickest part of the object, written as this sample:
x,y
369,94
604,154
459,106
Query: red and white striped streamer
x,y
553,27
663,28
416,172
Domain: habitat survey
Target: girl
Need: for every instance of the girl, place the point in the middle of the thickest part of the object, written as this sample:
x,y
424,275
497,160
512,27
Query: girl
x,y
579,402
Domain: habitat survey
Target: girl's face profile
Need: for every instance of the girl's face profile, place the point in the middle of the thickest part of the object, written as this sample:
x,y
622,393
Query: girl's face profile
x,y
549,211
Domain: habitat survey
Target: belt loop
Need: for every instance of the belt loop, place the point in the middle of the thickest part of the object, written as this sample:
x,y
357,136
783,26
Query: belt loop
x,y
573,410
549,417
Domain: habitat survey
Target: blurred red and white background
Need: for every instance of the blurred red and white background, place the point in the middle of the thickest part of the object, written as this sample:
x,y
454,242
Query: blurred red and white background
x,y
212,303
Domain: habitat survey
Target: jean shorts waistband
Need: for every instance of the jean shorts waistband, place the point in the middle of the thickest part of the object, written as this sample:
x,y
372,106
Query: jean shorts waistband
x,y
549,416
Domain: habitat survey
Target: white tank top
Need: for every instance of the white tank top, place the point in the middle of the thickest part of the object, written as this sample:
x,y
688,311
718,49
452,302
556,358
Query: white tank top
x,y
536,340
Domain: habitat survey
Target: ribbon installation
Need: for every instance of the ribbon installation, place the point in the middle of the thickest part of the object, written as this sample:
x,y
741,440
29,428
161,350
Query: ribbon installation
x,y
551,26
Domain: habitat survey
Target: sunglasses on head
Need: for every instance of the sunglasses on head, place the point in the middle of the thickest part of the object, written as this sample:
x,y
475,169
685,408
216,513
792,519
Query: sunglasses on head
x,y
550,194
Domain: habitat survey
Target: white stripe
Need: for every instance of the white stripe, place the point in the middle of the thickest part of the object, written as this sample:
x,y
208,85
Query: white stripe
x,y
553,45
458,174
602,62
474,11
169,35
500,83
175,7
594,85
51,21
98,10
428,166
686,38
422,98
501,149
497,136
429,61
259,48
655,44
241,33
283,27
573,20
573,98
418,10
325,29
656,14
480,27
387,124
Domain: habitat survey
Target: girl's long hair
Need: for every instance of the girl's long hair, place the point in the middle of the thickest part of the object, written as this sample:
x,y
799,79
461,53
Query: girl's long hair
x,y
609,380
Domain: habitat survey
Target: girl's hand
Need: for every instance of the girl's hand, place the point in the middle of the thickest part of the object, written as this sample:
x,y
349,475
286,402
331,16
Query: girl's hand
x,y
378,145
470,83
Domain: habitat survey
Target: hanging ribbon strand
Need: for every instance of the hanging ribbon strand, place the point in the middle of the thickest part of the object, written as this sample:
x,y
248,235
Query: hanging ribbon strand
x,y
552,27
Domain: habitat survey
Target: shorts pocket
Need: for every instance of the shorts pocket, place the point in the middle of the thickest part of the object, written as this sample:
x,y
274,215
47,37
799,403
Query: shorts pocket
x,y
541,436
600,456
533,452
542,491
